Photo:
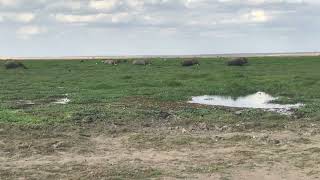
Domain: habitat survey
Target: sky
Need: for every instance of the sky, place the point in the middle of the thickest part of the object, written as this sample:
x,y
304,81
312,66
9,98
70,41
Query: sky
x,y
157,27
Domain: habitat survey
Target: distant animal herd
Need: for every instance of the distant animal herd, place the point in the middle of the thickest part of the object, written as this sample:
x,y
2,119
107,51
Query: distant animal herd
x,y
240,61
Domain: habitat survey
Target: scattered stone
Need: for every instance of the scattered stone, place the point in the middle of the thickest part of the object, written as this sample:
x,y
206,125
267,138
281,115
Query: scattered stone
x,y
141,62
164,115
190,62
238,61
224,128
276,141
203,126
14,65
184,130
264,137
57,145
273,141
218,138
314,132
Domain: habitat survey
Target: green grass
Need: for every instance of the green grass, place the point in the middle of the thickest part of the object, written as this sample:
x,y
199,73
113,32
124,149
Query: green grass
x,y
97,89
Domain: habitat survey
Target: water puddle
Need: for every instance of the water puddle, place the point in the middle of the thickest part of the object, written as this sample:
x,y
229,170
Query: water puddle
x,y
25,102
259,100
62,101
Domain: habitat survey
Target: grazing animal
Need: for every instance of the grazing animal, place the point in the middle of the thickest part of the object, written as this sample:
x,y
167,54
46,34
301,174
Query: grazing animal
x,y
238,61
190,62
141,62
14,65
123,60
111,62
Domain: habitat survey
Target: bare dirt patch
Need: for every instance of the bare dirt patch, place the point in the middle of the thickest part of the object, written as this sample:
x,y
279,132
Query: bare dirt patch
x,y
83,152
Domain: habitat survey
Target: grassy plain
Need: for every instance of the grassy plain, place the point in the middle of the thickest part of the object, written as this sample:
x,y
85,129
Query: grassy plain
x,y
133,122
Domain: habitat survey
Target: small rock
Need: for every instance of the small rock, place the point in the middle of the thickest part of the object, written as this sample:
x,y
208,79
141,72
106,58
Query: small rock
x,y
57,145
224,127
184,130
264,137
276,141
203,126
314,132
164,115
218,138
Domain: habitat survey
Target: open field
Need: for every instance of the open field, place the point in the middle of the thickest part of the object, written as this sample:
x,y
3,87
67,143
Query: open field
x,y
134,122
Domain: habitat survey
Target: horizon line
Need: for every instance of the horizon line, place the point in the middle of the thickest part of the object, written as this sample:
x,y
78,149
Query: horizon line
x,y
96,57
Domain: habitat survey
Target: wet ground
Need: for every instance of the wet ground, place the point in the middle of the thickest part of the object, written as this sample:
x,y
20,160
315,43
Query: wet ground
x,y
259,100
62,101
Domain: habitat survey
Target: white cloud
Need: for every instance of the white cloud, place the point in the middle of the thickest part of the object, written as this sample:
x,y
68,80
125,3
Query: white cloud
x,y
121,18
177,20
24,17
193,3
257,16
72,5
253,16
26,32
8,2
135,4
18,17
93,18
104,4
261,2
70,18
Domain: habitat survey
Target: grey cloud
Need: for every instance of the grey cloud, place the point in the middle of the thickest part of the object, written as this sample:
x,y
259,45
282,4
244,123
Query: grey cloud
x,y
212,24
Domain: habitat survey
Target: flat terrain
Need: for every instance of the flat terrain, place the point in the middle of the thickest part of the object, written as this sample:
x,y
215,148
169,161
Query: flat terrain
x,y
284,54
134,122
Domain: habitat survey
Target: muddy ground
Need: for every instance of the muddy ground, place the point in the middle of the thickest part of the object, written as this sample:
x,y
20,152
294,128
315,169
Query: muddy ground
x,y
103,151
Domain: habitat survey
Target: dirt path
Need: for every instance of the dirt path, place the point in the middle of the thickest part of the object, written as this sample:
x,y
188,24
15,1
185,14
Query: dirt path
x,y
158,154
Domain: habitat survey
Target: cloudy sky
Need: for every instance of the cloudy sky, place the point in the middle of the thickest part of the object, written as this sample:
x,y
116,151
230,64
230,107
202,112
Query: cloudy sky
x,y
147,27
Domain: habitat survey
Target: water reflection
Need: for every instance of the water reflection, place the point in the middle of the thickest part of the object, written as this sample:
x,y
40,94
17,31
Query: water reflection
x,y
259,100
62,101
